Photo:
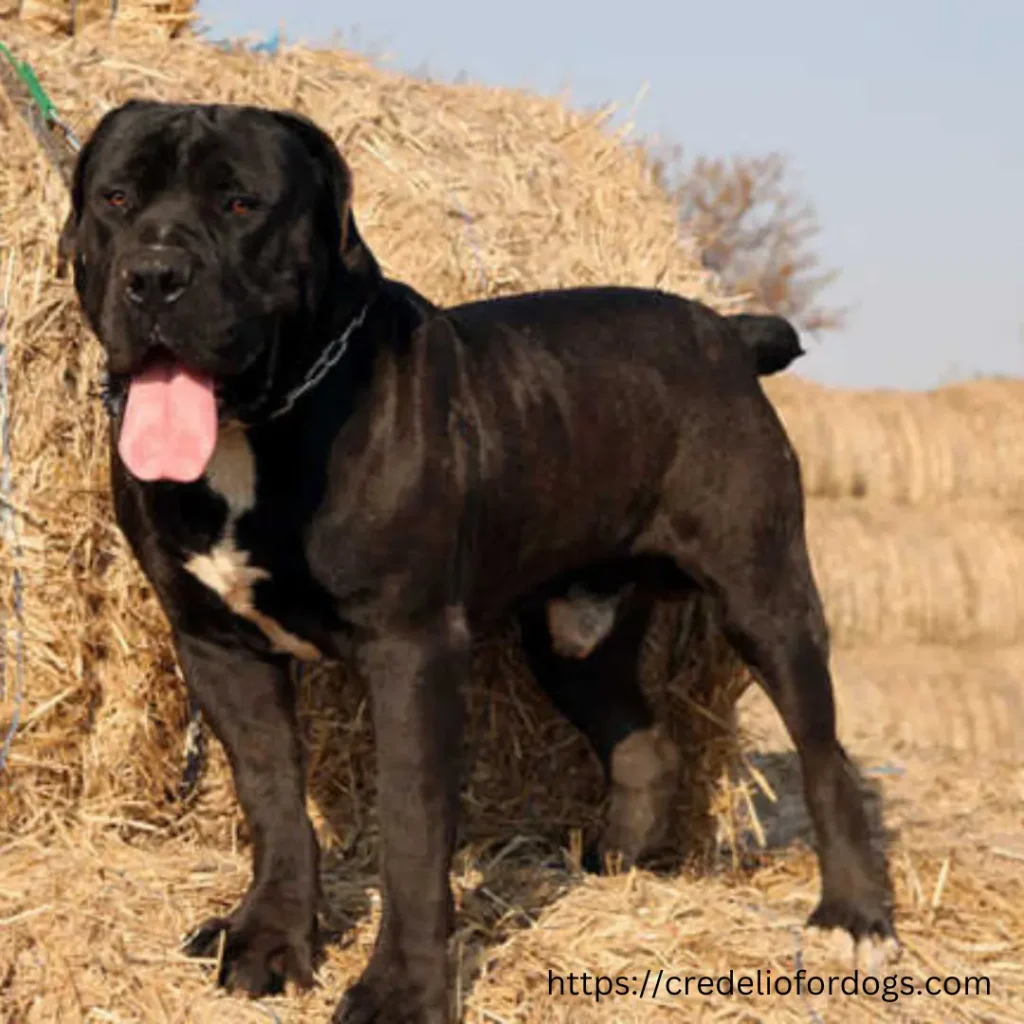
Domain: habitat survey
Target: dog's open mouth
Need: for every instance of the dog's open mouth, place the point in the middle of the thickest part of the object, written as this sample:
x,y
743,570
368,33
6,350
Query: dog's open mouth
x,y
169,430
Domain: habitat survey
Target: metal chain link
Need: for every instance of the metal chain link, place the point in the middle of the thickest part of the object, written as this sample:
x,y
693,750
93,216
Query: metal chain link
x,y
328,358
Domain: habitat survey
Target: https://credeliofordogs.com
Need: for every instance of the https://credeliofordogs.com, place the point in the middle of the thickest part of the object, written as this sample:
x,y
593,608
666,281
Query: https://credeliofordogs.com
x,y
663,984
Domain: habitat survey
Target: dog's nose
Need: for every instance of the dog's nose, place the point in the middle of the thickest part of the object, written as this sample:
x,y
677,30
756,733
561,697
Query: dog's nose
x,y
158,277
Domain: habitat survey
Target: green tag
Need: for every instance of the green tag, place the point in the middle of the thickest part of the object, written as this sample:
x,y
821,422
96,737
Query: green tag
x,y
36,91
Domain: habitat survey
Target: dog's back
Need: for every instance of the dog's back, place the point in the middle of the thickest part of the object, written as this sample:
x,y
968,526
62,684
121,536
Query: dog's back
x,y
629,324
591,399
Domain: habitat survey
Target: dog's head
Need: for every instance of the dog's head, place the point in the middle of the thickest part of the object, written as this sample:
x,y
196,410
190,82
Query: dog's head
x,y
214,253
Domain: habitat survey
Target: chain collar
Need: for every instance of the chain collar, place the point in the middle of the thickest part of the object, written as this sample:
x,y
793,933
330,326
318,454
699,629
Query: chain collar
x,y
113,401
324,362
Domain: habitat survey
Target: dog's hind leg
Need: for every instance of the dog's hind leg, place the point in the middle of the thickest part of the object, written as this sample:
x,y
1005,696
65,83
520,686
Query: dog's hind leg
x,y
601,696
772,614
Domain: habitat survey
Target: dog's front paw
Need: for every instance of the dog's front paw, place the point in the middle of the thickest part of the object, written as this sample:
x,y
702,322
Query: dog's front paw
x,y
861,918
258,956
383,995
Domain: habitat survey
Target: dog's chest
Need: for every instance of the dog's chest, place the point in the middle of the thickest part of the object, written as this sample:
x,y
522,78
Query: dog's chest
x,y
226,568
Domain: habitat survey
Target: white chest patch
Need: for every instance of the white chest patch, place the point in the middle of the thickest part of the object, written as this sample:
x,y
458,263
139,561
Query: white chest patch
x,y
225,569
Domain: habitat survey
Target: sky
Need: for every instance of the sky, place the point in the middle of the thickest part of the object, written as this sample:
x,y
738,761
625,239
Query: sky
x,y
901,122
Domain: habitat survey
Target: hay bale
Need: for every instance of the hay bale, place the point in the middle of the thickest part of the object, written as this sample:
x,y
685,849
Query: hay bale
x,y
892,575
66,17
895,702
464,191
956,442
965,701
529,773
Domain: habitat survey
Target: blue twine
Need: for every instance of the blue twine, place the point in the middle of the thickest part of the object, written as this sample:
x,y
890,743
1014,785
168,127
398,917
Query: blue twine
x,y
471,237
9,532
269,46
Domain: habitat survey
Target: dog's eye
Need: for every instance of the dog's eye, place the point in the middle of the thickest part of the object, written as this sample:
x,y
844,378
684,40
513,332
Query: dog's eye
x,y
116,197
241,205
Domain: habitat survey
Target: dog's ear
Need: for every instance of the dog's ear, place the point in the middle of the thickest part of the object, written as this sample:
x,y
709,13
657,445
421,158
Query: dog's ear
x,y
355,253
66,241
67,248
337,183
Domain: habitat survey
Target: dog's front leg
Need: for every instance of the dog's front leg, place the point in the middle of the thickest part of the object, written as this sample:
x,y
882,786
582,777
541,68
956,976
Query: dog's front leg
x,y
413,677
250,705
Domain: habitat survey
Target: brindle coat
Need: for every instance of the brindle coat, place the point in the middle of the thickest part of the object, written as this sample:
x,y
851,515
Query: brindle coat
x,y
451,468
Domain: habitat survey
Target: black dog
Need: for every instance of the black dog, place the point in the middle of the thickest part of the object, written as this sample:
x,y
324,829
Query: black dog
x,y
312,461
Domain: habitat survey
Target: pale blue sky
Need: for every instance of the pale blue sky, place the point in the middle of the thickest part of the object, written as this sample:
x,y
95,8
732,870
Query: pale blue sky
x,y
902,120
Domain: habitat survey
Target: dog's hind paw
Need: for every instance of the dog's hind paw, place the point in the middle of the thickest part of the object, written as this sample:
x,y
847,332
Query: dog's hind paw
x,y
863,941
254,958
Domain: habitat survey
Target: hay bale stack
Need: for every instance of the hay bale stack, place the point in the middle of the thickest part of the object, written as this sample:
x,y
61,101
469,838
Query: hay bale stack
x,y
892,575
958,441
464,191
958,699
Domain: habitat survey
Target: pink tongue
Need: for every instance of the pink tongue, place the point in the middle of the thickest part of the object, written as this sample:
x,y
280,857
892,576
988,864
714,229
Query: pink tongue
x,y
170,425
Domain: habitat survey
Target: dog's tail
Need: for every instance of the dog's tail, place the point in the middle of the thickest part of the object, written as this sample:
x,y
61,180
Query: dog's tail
x,y
772,340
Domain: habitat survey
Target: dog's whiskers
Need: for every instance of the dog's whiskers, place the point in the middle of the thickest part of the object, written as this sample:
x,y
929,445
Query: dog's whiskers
x,y
111,395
